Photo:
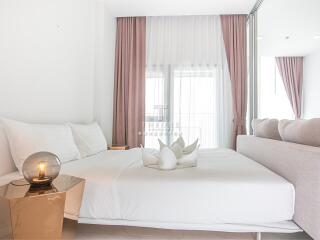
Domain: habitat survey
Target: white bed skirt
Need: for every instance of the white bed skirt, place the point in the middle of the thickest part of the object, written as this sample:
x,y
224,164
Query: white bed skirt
x,y
281,227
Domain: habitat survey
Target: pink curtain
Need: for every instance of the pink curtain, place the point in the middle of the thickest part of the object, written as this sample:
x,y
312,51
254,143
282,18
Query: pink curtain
x,y
234,36
291,71
129,83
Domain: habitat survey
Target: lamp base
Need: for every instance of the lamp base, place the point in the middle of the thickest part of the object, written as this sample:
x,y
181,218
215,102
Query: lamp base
x,y
37,190
41,184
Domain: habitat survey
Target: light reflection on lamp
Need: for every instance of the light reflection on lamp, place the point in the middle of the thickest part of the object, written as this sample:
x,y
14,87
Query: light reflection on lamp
x,y
40,169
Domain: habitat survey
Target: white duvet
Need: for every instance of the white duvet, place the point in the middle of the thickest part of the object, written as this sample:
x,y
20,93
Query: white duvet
x,y
225,188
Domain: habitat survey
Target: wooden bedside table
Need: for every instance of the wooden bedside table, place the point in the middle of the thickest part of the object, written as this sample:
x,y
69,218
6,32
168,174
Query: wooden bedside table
x,y
118,147
38,214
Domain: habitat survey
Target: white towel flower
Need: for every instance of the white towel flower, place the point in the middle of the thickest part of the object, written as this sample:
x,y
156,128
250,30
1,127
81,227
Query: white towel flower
x,y
149,156
168,160
189,149
179,148
177,155
189,160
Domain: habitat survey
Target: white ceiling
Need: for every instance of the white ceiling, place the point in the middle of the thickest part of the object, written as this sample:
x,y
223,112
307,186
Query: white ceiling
x,y
298,19
120,8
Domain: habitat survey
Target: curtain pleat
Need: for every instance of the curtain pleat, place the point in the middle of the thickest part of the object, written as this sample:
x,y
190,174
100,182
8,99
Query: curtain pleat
x,y
234,35
129,83
291,71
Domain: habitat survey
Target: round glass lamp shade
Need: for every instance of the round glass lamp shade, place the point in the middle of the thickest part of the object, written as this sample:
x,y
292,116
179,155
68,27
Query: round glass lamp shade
x,y
41,168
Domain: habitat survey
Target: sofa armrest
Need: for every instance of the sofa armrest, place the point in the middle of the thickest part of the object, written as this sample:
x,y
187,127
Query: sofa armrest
x,y
300,165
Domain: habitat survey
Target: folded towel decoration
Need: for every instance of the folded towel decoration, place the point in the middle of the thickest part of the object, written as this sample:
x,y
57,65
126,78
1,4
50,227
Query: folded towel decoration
x,y
150,157
167,160
177,155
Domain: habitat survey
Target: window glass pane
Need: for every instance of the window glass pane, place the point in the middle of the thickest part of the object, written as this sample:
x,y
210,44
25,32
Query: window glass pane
x,y
155,94
156,106
272,97
194,104
181,100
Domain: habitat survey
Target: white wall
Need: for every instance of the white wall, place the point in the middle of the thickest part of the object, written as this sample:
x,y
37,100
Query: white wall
x,y
311,85
46,60
104,68
56,61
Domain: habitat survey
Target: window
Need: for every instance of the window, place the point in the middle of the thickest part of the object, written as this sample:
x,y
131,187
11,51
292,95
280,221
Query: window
x,y
181,100
272,98
194,104
188,88
156,106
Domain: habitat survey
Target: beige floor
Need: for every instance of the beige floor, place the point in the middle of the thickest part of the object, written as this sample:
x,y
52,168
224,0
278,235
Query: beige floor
x,y
72,230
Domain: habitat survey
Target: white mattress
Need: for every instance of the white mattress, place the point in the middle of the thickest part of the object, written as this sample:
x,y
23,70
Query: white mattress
x,y
226,192
225,188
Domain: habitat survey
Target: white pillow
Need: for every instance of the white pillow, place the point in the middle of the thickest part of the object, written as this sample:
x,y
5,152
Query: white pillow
x,y
26,139
89,138
6,161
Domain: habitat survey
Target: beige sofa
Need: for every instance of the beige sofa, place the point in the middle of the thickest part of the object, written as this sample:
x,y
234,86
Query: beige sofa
x,y
300,165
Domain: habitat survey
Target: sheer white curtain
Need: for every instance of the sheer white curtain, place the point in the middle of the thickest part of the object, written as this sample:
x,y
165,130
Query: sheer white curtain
x,y
188,88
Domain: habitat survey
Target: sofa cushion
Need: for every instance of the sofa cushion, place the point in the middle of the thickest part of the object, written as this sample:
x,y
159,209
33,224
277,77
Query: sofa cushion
x,y
266,128
306,132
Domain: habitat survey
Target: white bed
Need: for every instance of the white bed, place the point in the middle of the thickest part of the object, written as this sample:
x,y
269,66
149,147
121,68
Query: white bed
x,y
226,192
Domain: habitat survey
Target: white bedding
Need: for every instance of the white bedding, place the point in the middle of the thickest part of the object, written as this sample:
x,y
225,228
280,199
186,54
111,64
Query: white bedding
x,y
225,188
225,192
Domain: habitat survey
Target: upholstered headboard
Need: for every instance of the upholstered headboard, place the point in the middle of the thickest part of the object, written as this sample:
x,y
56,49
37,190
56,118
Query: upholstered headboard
x,y
6,161
300,165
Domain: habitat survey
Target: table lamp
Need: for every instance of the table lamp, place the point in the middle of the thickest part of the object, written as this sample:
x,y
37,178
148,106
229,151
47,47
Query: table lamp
x,y
40,169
